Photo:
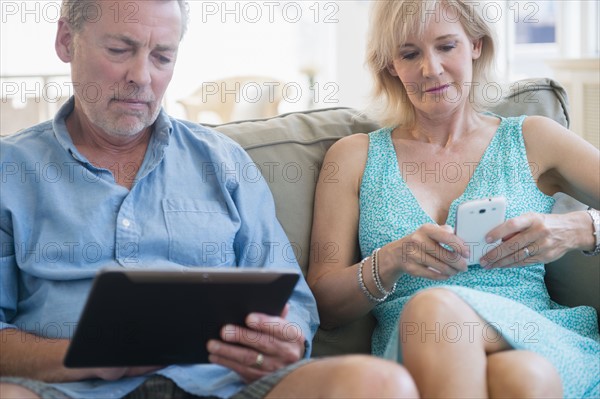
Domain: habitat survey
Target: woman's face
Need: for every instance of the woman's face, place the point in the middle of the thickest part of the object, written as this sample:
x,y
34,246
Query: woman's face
x,y
437,68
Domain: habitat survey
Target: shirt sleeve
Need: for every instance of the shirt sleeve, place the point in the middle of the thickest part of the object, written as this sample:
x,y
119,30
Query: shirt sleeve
x,y
8,275
261,242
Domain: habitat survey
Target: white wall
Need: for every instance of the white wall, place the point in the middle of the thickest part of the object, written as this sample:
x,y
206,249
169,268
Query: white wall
x,y
351,72
277,39
27,30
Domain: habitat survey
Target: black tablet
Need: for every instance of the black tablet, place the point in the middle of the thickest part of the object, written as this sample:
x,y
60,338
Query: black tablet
x,y
162,317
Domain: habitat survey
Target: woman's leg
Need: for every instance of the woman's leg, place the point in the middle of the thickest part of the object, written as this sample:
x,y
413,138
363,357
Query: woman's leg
x,y
522,374
353,376
447,346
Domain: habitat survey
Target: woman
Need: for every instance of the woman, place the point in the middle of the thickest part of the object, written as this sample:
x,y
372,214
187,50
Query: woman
x,y
485,330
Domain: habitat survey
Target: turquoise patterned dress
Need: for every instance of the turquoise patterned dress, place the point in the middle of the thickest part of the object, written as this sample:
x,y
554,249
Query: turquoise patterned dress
x,y
514,301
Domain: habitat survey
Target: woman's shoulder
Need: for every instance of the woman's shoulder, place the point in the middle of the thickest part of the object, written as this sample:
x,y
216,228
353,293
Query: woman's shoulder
x,y
539,121
350,146
548,142
349,155
541,129
534,128
358,141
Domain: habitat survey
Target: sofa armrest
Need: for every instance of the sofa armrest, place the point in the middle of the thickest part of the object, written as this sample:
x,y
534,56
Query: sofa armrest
x,y
574,279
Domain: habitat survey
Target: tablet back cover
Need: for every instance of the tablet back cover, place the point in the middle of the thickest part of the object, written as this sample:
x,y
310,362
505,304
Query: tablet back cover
x,y
143,318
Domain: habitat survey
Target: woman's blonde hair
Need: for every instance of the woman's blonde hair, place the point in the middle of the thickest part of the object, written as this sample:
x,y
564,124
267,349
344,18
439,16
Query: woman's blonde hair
x,y
392,21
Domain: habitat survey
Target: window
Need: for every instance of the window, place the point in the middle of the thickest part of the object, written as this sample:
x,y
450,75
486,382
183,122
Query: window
x,y
535,22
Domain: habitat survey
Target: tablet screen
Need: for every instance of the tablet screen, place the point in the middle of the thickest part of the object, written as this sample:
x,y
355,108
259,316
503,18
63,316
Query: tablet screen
x,y
162,317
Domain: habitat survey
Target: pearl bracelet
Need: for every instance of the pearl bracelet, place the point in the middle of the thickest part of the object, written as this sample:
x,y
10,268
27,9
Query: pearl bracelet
x,y
377,277
363,287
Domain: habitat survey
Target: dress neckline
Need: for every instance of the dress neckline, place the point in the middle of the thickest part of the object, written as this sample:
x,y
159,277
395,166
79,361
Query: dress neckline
x,y
455,202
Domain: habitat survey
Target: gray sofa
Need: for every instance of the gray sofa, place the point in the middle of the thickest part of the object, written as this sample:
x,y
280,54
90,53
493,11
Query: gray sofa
x,y
290,148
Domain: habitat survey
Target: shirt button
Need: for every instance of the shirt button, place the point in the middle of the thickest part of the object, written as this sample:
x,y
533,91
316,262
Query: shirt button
x,y
126,222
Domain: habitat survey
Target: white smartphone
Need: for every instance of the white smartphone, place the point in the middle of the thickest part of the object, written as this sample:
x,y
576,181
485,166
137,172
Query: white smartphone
x,y
474,219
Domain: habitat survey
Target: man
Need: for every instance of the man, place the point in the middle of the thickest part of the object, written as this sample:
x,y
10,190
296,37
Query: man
x,y
132,187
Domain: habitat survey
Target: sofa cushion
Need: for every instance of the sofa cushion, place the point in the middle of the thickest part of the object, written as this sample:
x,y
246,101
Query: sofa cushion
x,y
289,150
541,96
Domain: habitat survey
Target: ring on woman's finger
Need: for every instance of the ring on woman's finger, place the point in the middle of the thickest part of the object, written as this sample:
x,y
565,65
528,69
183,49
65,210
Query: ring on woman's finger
x,y
526,252
260,359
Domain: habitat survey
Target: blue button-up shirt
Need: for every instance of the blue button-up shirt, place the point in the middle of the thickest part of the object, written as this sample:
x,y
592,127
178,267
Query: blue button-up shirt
x,y
197,200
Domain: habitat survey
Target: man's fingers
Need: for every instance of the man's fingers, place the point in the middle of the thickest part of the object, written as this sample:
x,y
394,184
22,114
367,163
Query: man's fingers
x,y
285,311
268,337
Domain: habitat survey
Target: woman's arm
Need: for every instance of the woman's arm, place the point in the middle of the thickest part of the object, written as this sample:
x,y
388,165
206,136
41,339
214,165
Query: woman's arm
x,y
560,161
334,239
333,273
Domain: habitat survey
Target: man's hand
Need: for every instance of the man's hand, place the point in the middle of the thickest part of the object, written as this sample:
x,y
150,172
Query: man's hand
x,y
263,346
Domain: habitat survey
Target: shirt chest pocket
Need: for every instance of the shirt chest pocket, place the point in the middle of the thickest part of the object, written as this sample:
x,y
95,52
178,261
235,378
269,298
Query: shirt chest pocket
x,y
201,232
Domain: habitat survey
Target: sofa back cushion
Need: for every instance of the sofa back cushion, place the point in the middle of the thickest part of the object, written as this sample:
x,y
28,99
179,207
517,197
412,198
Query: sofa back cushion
x,y
289,150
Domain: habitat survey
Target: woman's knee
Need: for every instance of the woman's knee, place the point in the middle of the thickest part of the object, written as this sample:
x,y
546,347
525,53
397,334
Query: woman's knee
x,y
357,376
434,303
525,374
375,377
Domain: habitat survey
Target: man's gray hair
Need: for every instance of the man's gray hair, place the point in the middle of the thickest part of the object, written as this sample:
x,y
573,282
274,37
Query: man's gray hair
x,y
78,12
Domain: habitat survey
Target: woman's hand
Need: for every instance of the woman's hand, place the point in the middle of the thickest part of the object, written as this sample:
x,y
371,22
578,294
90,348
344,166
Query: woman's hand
x,y
421,254
537,238
265,345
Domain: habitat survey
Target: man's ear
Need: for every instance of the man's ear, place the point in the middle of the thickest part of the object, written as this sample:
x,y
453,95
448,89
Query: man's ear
x,y
64,41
